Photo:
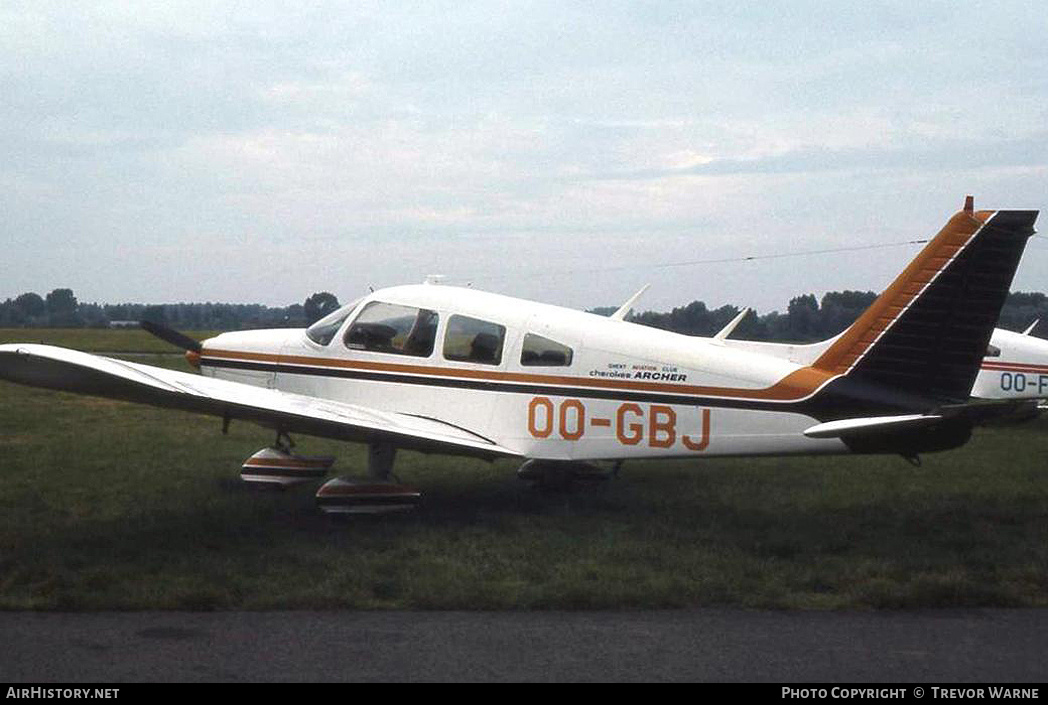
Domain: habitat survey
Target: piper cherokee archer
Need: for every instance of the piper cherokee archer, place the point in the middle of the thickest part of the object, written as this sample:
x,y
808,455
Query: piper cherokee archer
x,y
450,370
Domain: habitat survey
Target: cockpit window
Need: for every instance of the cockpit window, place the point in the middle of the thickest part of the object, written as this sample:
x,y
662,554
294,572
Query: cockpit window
x,y
473,340
392,328
543,352
993,351
325,329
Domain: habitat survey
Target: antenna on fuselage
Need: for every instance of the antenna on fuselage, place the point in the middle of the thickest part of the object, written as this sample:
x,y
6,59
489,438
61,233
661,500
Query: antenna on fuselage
x,y
730,328
624,309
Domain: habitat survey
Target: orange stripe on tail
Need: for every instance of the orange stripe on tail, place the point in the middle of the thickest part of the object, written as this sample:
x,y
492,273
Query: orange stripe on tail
x,y
936,255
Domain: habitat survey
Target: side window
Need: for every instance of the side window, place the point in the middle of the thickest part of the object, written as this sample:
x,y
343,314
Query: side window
x,y
472,340
391,328
543,352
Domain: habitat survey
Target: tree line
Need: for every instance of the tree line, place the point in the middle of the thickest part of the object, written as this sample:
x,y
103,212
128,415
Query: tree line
x,y
806,318
60,309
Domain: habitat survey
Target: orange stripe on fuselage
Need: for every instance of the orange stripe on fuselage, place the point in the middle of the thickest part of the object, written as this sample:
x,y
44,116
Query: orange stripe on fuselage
x,y
1015,367
795,386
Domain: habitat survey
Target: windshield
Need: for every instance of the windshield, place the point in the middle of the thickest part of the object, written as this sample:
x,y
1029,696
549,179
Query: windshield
x,y
324,330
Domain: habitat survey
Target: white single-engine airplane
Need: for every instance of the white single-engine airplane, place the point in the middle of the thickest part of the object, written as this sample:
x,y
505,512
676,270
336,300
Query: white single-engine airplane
x,y
459,371
1015,367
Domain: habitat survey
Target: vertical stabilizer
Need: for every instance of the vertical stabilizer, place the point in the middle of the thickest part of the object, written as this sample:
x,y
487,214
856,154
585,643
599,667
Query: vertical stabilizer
x,y
927,333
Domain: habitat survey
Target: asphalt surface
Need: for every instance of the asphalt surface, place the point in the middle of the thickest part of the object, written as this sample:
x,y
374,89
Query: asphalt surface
x,y
933,647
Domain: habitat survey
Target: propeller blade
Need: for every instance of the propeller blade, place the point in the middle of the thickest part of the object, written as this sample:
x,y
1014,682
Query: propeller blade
x,y
172,336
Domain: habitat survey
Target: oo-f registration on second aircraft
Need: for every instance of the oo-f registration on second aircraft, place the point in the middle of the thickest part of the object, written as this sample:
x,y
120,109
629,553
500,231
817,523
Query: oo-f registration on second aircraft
x,y
452,370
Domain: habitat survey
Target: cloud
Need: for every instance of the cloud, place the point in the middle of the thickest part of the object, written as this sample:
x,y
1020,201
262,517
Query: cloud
x,y
933,156
493,139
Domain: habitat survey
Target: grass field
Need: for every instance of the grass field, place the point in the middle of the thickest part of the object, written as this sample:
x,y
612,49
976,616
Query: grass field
x,y
107,505
106,340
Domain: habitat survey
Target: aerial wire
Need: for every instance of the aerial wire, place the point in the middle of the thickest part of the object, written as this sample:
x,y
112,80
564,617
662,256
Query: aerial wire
x,y
719,260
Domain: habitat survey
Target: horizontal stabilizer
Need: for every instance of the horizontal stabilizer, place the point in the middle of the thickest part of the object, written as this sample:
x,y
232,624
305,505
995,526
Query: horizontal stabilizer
x,y
871,425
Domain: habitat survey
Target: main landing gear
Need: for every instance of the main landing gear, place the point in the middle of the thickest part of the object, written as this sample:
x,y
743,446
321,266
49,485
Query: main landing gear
x,y
565,474
278,465
381,494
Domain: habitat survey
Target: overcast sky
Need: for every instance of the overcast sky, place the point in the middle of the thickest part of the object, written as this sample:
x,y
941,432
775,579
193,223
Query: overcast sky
x,y
567,152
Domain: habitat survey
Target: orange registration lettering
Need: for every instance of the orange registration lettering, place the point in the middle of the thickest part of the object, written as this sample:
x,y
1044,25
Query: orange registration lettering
x,y
537,428
705,440
570,417
662,427
579,423
633,433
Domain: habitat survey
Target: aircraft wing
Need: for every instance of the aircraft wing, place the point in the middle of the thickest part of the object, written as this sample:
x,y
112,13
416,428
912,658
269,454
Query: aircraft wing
x,y
74,371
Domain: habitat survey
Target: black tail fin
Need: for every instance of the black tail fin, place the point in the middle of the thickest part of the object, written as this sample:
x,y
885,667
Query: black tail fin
x,y
926,335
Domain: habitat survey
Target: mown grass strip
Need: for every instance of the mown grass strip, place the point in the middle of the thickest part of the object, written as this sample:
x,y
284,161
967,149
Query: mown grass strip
x,y
131,340
105,505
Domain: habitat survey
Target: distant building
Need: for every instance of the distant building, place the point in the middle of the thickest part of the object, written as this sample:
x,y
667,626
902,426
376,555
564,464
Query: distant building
x,y
123,324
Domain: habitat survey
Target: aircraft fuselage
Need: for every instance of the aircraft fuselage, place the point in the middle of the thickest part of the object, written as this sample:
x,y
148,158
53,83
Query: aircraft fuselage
x,y
604,390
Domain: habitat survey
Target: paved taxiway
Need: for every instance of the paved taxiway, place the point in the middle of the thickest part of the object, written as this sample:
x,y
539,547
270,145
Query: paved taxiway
x,y
946,646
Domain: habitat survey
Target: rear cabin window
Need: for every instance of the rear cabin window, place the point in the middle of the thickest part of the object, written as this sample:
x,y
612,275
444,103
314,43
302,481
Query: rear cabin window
x,y
543,352
473,340
395,329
